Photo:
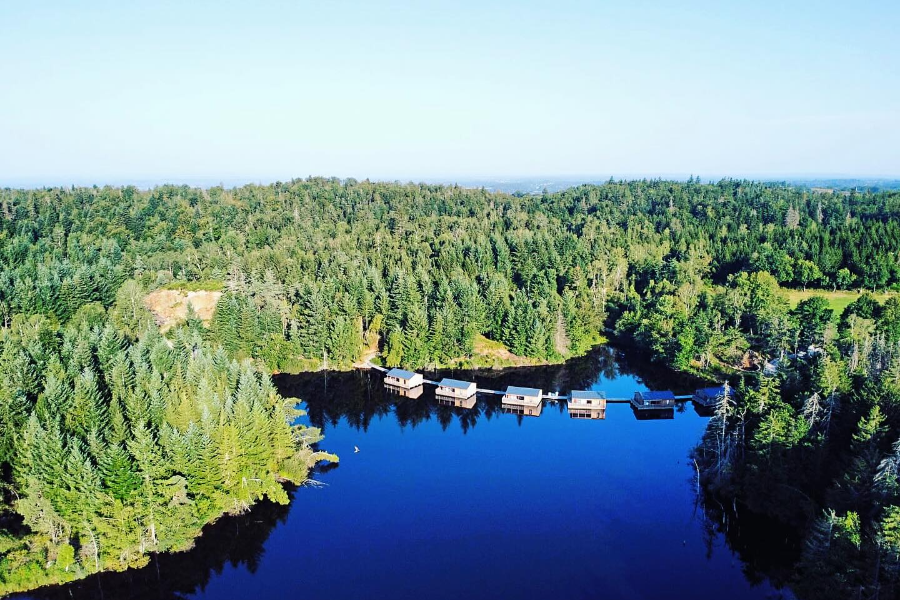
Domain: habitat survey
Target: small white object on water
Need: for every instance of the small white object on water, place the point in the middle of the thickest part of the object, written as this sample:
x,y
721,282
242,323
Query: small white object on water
x,y
356,448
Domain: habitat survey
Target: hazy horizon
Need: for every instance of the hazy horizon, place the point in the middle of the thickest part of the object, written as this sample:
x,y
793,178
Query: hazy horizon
x,y
526,183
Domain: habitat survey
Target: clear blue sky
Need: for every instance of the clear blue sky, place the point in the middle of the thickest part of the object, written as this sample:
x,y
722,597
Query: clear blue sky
x,y
119,91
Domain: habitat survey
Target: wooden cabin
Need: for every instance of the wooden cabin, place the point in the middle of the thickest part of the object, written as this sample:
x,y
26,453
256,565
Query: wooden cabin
x,y
405,392
587,404
403,379
454,388
709,397
660,400
522,401
522,396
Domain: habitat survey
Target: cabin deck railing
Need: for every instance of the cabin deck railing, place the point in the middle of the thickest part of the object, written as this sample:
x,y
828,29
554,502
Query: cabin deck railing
x,y
521,400
660,405
454,393
587,403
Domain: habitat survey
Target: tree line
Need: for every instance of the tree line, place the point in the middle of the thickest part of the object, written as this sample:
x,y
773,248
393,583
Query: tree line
x,y
321,267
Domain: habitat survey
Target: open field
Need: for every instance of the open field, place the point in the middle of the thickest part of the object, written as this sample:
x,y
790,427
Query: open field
x,y
838,300
204,285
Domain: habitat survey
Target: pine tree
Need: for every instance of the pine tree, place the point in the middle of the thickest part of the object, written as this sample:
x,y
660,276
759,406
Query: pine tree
x,y
394,348
312,319
88,410
415,346
117,473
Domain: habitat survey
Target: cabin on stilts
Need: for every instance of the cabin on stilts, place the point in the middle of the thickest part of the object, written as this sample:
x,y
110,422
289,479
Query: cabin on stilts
x,y
522,401
405,392
454,388
403,379
650,401
709,397
587,404
457,402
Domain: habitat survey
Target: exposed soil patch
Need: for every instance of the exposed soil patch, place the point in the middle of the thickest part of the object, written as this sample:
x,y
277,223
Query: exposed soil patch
x,y
169,307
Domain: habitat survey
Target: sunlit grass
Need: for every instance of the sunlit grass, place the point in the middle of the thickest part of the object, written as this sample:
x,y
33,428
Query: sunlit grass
x,y
838,300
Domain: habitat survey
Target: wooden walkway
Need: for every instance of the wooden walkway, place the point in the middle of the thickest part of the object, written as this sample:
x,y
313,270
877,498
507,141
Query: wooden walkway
x,y
552,397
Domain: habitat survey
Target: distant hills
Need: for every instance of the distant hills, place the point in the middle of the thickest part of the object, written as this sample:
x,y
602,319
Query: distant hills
x,y
512,185
537,185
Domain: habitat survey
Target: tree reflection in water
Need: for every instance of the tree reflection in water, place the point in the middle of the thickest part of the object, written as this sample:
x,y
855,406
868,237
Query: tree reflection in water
x,y
233,540
766,548
359,396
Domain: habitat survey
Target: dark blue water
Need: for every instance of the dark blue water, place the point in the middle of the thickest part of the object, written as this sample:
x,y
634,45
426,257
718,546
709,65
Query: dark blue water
x,y
445,502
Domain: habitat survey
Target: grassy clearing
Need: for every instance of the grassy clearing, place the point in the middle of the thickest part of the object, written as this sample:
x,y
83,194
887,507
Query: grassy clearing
x,y
300,365
205,285
488,354
491,354
837,300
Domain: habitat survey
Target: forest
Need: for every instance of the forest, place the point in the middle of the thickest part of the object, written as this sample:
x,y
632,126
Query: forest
x,y
118,439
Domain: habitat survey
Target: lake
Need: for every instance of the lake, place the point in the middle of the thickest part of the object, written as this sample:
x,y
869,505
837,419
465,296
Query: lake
x,y
447,502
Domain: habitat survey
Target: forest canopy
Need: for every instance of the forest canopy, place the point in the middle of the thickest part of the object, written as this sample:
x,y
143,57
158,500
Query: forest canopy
x,y
118,440
322,267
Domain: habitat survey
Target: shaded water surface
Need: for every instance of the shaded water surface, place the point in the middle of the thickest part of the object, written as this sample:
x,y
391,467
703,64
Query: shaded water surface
x,y
447,502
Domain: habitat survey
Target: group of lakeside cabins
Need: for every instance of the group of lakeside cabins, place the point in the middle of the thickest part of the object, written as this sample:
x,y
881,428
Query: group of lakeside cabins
x,y
450,392
582,404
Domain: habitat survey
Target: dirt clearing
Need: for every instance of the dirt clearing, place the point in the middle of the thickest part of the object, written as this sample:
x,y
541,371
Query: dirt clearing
x,y
169,307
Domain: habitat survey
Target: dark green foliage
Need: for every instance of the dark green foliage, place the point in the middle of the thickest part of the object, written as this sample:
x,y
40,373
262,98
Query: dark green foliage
x,y
815,445
118,473
123,442
813,316
115,442
136,451
298,255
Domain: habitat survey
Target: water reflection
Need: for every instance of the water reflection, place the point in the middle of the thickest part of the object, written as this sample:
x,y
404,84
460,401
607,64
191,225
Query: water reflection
x,y
653,415
587,413
525,410
767,549
427,484
466,403
233,540
360,396
404,392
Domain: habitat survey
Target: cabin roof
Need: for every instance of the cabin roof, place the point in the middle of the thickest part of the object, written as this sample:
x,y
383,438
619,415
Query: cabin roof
x,y
588,395
657,395
710,392
456,383
522,391
401,374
